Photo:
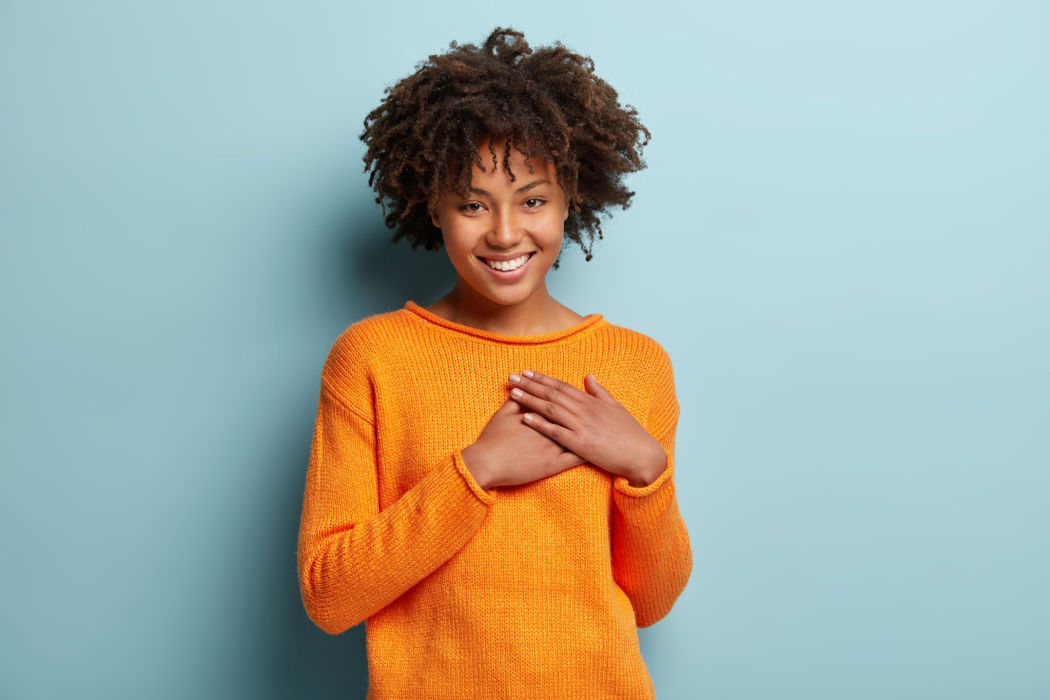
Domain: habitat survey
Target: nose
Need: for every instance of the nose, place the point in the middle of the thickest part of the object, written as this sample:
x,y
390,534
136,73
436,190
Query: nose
x,y
504,232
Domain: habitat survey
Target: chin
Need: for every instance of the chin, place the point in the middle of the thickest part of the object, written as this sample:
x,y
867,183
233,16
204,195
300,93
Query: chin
x,y
508,299
504,297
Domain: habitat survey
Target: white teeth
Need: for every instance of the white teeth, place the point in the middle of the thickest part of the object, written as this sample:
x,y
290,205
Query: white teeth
x,y
508,265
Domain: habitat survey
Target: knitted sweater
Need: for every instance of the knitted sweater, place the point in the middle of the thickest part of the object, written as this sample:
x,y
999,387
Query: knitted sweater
x,y
532,591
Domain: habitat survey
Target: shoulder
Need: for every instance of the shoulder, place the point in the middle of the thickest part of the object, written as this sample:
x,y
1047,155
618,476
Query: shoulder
x,y
643,352
648,363
649,359
372,333
360,347
644,371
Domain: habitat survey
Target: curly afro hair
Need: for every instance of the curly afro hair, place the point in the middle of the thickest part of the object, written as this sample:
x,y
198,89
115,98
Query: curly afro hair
x,y
423,139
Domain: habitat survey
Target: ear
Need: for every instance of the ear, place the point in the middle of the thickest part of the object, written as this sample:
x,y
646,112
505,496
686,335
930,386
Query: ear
x,y
434,217
565,216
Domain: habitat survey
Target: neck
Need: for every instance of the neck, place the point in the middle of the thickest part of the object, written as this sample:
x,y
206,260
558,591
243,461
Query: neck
x,y
539,313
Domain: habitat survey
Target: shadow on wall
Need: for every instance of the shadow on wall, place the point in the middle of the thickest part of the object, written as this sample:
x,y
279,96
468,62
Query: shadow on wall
x,y
380,274
359,271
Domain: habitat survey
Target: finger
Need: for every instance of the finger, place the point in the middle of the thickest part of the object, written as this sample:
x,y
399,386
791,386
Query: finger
x,y
553,382
572,459
554,411
568,459
551,389
559,433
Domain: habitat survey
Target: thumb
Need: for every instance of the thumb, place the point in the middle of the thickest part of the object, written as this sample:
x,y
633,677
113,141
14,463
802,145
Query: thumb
x,y
593,387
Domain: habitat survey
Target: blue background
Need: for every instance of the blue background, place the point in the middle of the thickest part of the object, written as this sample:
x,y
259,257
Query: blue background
x,y
841,240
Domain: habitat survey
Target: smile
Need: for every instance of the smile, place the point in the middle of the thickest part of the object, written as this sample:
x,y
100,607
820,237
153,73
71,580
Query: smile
x,y
508,265
509,270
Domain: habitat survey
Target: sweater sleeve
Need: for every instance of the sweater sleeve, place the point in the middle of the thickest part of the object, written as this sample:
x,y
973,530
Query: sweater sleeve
x,y
353,558
651,554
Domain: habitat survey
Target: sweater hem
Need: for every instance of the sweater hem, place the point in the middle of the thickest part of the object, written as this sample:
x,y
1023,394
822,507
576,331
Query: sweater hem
x,y
486,497
623,485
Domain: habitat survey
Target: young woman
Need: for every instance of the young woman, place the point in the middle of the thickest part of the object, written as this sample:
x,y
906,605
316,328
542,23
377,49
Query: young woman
x,y
490,480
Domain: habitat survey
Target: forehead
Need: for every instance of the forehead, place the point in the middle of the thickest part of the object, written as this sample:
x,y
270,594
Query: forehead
x,y
503,164
524,168
522,161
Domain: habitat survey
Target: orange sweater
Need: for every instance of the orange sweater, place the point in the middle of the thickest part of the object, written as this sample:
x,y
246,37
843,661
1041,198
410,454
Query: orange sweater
x,y
532,591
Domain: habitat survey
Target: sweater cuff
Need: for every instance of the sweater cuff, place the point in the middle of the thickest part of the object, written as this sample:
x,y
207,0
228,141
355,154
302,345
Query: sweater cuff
x,y
487,497
623,485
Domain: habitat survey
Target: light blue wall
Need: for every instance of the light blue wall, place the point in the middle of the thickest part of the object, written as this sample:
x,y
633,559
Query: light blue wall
x,y
842,240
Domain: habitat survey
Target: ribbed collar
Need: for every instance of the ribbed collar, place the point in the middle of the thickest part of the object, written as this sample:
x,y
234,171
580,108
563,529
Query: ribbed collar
x,y
589,323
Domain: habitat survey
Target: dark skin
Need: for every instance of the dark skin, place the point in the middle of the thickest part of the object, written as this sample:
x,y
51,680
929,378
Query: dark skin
x,y
574,427
508,452
562,426
426,129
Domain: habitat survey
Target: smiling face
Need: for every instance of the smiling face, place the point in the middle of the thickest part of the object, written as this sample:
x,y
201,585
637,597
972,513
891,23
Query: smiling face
x,y
503,222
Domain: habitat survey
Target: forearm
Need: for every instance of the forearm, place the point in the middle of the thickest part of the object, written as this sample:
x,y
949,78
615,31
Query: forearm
x,y
351,570
652,556
355,558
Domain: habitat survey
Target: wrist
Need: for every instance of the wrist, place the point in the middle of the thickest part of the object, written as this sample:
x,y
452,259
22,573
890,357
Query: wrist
x,y
476,464
650,471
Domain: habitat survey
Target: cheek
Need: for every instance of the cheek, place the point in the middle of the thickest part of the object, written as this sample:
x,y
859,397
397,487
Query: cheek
x,y
457,243
555,224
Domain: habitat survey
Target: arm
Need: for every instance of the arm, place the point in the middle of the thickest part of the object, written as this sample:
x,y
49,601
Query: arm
x,y
651,553
354,559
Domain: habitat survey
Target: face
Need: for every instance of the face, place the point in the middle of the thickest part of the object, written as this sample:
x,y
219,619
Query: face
x,y
501,221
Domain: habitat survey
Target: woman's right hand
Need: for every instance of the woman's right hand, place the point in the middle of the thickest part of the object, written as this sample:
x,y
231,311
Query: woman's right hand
x,y
509,453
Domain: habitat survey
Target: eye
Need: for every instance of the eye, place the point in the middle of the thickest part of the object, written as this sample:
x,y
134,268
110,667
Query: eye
x,y
470,207
536,202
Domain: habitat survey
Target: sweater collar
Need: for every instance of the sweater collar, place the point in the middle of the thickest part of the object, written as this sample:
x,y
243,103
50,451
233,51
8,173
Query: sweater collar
x,y
589,322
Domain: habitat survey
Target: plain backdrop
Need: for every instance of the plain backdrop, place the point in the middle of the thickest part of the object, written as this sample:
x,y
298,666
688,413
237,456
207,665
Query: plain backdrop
x,y
842,239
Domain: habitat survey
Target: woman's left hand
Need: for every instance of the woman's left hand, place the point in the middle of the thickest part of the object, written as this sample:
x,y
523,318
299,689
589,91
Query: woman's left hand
x,y
592,424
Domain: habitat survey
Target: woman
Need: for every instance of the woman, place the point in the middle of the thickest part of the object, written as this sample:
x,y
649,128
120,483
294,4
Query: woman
x,y
490,480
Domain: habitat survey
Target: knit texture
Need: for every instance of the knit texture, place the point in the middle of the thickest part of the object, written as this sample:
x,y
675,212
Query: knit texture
x,y
532,591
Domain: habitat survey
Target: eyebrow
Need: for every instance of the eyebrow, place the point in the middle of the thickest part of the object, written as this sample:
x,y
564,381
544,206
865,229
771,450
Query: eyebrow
x,y
523,188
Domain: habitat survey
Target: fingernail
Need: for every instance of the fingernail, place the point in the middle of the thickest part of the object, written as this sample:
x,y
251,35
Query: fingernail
x,y
515,378
527,373
516,392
